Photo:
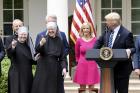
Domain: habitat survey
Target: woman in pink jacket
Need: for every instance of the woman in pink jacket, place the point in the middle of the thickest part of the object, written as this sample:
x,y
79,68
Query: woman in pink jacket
x,y
87,72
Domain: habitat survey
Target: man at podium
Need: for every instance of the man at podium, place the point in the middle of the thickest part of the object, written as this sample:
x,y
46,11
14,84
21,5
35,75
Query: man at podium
x,y
118,37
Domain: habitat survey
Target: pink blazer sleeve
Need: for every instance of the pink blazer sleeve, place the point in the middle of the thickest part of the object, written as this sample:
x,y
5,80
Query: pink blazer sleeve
x,y
77,50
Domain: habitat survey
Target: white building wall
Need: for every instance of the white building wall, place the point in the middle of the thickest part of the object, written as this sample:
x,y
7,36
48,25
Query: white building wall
x,y
37,13
71,6
60,9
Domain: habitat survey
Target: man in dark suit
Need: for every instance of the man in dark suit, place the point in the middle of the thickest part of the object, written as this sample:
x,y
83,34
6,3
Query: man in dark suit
x,y
121,39
136,57
53,18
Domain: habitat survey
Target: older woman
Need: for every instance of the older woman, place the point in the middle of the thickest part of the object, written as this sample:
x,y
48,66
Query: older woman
x,y
86,72
20,73
51,56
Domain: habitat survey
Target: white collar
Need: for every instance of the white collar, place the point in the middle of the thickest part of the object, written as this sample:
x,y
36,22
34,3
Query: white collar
x,y
117,29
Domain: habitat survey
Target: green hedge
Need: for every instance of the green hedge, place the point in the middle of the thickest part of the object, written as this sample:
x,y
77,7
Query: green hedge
x,y
3,79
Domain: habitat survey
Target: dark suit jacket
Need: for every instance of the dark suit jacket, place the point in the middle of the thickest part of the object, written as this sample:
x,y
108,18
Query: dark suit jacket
x,y
124,40
65,42
136,57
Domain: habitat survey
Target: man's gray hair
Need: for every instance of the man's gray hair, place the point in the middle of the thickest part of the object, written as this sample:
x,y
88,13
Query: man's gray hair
x,y
52,16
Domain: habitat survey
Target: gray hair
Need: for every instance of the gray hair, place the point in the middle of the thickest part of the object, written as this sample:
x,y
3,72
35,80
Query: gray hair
x,y
53,16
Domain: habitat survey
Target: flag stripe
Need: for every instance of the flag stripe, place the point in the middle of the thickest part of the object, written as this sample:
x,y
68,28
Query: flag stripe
x,y
76,25
75,31
76,18
82,13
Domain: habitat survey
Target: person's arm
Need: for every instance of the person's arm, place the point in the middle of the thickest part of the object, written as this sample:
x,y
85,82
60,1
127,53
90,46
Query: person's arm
x,y
99,43
8,41
130,46
62,60
66,45
136,56
2,51
77,50
12,49
37,40
40,47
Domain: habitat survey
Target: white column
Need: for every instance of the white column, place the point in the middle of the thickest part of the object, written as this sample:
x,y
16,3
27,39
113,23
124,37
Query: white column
x,y
1,16
60,9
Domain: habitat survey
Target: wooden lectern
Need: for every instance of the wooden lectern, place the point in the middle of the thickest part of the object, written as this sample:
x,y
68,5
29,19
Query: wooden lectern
x,y
106,66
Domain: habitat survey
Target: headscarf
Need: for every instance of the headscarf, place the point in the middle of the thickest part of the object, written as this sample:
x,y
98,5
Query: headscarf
x,y
29,40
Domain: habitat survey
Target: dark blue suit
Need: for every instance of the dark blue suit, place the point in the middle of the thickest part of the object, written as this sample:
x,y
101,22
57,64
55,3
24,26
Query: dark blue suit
x,y
66,50
123,69
136,57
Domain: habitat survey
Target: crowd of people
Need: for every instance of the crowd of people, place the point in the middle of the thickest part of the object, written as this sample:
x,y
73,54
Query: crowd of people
x,y
50,56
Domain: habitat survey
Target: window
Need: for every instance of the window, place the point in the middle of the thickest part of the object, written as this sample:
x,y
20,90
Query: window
x,y
135,16
108,6
12,9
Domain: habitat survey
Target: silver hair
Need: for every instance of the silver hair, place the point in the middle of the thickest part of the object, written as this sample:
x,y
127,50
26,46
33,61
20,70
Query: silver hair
x,y
52,16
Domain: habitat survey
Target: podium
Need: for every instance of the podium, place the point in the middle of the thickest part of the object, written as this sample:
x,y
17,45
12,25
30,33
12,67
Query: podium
x,y
106,66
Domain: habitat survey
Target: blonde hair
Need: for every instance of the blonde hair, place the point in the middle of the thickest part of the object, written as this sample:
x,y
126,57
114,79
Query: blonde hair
x,y
113,16
81,34
17,21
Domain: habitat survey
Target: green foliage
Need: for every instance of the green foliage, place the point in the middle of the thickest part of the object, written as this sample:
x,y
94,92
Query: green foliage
x,y
4,78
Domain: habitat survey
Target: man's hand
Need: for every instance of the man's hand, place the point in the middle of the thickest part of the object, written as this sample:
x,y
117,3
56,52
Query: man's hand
x,y
137,71
37,56
14,43
128,51
43,41
64,72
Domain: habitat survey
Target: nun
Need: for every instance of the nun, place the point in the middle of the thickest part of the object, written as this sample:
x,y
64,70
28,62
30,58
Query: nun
x,y
20,75
51,57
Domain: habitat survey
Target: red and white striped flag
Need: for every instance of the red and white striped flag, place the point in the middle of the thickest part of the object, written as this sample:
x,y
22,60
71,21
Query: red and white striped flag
x,y
82,13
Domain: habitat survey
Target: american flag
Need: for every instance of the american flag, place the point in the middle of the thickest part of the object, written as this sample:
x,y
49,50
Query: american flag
x,y
82,13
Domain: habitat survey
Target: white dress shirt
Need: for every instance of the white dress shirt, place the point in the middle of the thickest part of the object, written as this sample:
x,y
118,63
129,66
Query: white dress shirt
x,y
116,30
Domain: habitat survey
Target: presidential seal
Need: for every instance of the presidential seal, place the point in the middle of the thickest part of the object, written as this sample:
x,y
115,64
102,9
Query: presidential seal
x,y
106,53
